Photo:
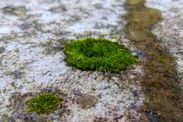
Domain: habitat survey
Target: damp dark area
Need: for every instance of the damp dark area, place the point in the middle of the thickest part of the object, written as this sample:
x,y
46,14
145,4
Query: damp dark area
x,y
163,95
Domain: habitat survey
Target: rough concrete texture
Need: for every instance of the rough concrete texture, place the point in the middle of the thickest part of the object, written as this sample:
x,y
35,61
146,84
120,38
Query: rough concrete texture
x,y
32,35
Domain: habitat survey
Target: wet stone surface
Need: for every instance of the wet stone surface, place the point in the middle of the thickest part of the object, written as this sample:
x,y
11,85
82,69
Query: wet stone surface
x,y
161,81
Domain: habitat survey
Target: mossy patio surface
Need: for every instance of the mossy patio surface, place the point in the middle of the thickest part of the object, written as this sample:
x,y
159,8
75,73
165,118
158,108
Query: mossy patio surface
x,y
33,35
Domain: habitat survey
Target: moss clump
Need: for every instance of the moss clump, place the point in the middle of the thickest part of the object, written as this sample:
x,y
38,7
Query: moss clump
x,y
43,103
98,54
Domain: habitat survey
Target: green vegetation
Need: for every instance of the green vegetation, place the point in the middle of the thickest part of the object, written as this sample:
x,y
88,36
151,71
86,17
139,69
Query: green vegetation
x,y
43,103
98,54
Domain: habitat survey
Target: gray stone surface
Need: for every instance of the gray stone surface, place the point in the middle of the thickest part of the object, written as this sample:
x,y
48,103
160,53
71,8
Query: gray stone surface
x,y
32,36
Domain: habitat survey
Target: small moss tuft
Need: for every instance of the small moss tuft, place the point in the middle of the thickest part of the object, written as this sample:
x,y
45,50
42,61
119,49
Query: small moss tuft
x,y
98,54
43,103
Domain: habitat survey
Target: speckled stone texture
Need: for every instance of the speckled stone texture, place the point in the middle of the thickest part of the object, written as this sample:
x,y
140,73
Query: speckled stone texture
x,y
32,36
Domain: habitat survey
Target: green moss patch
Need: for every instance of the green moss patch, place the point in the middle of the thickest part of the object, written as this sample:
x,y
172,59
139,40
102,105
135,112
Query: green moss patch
x,y
43,103
98,54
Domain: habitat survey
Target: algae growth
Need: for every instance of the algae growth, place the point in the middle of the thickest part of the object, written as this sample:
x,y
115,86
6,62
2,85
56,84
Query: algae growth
x,y
162,94
43,103
98,54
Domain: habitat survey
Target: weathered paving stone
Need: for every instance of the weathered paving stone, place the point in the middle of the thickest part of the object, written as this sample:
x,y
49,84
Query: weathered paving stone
x,y
33,60
29,26
17,11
